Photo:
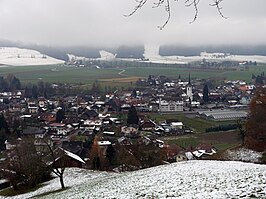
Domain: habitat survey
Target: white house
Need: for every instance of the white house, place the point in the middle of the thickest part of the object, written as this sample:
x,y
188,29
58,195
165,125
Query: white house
x,y
170,106
176,125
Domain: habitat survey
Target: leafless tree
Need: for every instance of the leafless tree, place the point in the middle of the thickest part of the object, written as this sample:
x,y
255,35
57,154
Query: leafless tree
x,y
56,163
23,166
167,4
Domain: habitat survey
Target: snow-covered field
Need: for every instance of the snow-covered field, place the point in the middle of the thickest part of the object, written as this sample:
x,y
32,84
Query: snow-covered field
x,y
10,56
190,59
191,179
152,54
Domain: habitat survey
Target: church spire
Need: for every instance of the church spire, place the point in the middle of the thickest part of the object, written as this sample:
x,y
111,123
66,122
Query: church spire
x,y
189,89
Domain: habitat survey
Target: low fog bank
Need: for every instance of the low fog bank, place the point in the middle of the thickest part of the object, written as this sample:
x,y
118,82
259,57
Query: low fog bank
x,y
127,51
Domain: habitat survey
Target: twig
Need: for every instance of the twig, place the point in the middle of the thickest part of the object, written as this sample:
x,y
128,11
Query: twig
x,y
166,3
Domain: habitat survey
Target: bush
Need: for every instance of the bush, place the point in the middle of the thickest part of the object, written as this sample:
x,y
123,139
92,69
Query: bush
x,y
263,158
224,127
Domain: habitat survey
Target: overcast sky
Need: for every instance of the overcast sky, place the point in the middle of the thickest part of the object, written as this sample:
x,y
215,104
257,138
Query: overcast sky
x,y
101,23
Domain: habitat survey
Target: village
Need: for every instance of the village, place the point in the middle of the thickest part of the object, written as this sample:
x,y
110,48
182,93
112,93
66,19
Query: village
x,y
103,132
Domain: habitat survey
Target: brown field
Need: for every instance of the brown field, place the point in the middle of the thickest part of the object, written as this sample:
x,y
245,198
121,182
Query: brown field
x,y
121,80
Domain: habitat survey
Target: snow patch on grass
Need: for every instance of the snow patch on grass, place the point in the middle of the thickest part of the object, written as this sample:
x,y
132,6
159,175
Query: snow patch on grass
x,y
191,179
11,56
243,154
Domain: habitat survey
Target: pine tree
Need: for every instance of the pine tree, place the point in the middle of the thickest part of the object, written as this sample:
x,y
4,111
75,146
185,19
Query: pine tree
x,y
132,116
205,93
60,115
110,154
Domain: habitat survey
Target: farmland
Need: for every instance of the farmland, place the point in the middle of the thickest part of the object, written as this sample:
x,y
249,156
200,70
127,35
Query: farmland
x,y
221,140
120,76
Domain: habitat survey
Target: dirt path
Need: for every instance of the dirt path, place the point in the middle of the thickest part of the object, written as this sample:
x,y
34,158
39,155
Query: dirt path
x,y
121,73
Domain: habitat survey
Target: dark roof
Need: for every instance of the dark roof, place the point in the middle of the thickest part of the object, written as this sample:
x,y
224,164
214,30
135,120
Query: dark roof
x,y
73,146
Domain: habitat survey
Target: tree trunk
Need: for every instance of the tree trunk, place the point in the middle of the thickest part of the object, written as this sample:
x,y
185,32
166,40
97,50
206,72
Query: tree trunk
x,y
62,181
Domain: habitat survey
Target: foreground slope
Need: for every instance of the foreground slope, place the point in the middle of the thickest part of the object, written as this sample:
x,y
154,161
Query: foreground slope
x,y
21,57
192,179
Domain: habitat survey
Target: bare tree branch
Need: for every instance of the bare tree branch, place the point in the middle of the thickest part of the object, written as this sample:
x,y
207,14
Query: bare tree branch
x,y
168,10
157,4
194,3
217,4
166,3
59,172
140,4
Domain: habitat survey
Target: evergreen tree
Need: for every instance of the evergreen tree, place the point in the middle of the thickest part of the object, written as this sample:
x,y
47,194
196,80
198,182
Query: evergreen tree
x,y
3,138
34,92
110,154
13,82
132,116
259,80
3,123
40,86
3,132
134,93
60,115
3,84
205,93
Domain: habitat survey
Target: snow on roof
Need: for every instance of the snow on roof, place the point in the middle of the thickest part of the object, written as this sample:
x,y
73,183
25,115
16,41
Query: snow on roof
x,y
74,156
104,143
103,115
159,141
177,123
201,152
109,132
197,153
113,119
3,181
25,116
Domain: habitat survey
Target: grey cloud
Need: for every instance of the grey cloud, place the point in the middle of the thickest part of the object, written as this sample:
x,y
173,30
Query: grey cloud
x,y
101,23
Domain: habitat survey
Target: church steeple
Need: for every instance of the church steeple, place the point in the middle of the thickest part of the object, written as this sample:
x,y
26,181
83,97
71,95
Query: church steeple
x,y
189,89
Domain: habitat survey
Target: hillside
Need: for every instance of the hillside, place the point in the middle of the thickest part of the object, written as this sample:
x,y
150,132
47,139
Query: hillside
x,y
192,179
21,57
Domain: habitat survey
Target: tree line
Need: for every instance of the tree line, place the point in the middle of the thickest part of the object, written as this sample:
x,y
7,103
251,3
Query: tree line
x,y
9,83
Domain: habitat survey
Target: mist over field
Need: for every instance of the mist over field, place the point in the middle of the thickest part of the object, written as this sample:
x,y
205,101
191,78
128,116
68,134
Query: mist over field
x,y
136,51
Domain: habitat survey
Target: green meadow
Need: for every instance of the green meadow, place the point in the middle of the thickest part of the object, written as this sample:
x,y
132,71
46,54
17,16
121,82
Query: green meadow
x,y
122,75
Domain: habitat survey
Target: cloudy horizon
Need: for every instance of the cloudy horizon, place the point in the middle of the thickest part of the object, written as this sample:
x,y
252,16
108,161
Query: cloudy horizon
x,y
102,23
